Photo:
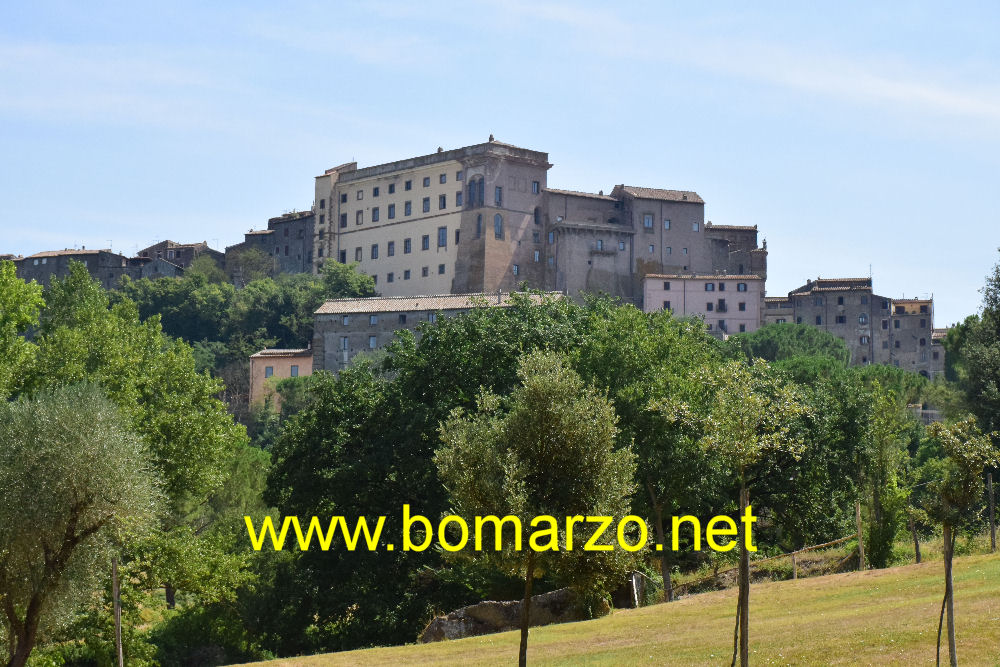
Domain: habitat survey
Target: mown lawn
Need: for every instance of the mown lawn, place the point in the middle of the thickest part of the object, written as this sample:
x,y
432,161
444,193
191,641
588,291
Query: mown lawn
x,y
875,617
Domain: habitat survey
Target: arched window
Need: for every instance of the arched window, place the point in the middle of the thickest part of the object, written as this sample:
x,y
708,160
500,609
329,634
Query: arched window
x,y
498,226
477,192
479,225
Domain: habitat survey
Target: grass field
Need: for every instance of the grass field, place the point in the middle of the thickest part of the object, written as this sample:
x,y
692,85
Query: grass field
x,y
874,617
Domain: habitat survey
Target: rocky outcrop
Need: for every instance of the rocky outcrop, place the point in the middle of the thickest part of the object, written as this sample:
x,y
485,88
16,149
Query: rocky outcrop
x,y
487,617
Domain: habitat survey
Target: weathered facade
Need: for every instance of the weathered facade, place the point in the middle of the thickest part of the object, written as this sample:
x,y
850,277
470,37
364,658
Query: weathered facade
x,y
876,329
288,241
480,218
273,364
347,327
181,254
105,266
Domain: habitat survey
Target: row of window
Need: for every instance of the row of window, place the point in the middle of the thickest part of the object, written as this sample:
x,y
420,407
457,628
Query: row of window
x,y
862,319
713,307
710,287
376,213
476,190
269,371
647,223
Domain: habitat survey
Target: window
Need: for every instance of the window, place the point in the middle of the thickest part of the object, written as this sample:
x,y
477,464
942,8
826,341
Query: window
x,y
343,219
538,216
425,242
321,234
621,245
390,248
408,185
392,188
666,305
372,342
536,237
552,238
359,217
458,198
647,221
498,226
934,355
722,287
885,345
895,324
923,324
885,324
516,269
390,277
372,320
780,320
344,345
456,236
841,319
863,318
666,284
536,255
652,248
295,371
459,175
375,214
479,226
442,237
440,269
666,225
684,251
424,272
322,203
694,226
840,301
741,287
897,344
346,320
498,195
406,274
669,250
709,287
357,254
427,204
374,254
535,187
343,198
361,195
268,371
427,181
343,257
392,211
743,306
923,309
442,201
375,191
600,244
407,208
407,246
923,342
322,220
819,319
743,328
885,304
443,178
709,306
432,317
864,340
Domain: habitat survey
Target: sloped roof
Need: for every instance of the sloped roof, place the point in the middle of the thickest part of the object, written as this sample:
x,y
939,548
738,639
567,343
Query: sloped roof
x,y
279,352
656,193
433,302
577,193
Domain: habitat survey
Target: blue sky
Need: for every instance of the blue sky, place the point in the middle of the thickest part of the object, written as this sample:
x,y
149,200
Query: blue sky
x,y
852,135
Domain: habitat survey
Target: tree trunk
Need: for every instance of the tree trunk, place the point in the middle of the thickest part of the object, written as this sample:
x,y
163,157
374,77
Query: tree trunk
x,y
916,540
949,592
26,636
529,576
744,581
668,588
171,594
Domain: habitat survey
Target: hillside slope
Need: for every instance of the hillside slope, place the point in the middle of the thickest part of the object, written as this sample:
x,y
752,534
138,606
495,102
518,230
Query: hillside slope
x,y
875,617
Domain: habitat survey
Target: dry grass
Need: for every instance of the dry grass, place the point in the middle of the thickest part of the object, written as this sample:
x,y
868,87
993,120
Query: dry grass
x,y
875,617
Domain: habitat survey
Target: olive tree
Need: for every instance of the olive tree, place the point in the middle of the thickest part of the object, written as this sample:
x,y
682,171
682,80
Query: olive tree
x,y
74,482
752,415
547,450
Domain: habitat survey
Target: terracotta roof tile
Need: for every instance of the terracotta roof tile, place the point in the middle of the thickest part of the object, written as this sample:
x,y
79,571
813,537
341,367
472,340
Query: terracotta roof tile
x,y
656,193
434,302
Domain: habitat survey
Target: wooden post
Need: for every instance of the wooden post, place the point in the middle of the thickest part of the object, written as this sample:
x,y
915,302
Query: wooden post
x,y
916,539
861,539
116,594
795,568
993,520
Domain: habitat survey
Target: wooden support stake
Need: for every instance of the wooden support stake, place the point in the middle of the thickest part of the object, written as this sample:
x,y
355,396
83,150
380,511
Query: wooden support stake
x,y
861,541
993,520
116,594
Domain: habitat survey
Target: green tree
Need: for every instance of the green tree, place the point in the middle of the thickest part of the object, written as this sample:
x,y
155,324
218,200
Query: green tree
x,y
883,462
248,265
969,452
68,495
753,415
20,303
553,453
342,281
981,357
204,265
783,342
